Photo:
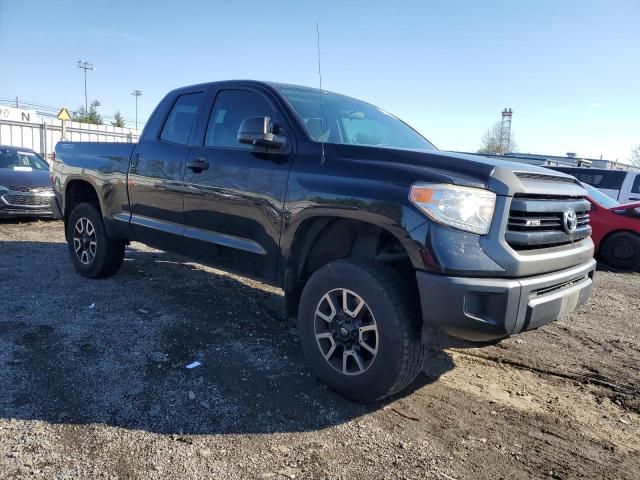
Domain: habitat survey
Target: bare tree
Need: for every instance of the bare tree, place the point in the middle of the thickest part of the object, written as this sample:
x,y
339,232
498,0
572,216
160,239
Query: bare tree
x,y
635,156
491,142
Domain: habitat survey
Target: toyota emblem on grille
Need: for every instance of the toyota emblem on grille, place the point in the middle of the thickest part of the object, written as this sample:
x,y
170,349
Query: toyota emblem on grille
x,y
569,221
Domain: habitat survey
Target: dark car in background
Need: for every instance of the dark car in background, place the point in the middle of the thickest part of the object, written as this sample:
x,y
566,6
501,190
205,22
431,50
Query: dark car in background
x,y
25,187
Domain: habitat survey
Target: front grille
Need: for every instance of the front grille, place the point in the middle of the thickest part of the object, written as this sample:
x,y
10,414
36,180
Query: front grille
x,y
26,200
539,221
531,222
28,188
19,188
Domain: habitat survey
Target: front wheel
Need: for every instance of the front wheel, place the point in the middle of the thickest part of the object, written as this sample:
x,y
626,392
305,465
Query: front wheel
x,y
622,250
93,253
359,331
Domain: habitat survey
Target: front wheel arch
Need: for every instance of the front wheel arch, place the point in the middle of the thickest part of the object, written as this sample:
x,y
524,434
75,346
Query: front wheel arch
x,y
324,239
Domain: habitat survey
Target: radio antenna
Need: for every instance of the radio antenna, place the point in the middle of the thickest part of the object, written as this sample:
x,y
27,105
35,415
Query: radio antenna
x,y
322,158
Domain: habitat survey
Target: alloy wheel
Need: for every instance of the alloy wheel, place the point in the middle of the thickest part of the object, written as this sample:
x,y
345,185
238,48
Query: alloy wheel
x,y
84,240
346,331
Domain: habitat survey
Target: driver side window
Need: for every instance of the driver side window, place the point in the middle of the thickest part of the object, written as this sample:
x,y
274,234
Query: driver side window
x,y
230,109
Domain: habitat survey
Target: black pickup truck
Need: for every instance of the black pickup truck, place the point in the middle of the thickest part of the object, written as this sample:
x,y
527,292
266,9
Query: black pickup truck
x,y
377,238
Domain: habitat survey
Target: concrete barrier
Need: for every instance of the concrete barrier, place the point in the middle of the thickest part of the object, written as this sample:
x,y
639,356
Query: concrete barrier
x,y
24,128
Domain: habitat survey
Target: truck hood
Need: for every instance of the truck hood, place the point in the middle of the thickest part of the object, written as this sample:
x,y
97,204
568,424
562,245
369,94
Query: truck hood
x,y
503,177
34,178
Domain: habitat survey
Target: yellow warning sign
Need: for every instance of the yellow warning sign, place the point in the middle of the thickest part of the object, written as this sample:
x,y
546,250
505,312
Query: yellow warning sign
x,y
63,114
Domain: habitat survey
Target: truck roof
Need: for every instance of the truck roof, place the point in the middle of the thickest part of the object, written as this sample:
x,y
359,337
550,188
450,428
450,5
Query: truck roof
x,y
259,83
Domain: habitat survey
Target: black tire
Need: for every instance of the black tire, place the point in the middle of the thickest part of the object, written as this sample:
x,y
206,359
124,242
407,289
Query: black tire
x,y
622,250
400,353
106,256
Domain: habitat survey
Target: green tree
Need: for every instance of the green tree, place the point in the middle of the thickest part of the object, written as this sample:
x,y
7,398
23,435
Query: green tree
x,y
118,120
635,156
88,116
491,142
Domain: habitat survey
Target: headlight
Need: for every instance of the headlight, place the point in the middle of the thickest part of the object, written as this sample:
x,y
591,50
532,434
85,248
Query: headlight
x,y
469,209
3,189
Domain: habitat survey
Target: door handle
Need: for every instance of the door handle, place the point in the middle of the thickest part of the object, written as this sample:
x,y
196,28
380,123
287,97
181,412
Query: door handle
x,y
134,161
198,165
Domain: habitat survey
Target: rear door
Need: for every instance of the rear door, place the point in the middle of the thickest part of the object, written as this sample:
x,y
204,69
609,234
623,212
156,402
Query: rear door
x,y
234,207
157,172
634,193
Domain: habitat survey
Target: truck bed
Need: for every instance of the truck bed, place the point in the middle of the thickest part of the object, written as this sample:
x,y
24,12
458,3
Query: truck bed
x,y
100,156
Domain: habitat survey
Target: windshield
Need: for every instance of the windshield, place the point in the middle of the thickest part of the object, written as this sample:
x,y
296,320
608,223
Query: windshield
x,y
348,121
600,198
21,160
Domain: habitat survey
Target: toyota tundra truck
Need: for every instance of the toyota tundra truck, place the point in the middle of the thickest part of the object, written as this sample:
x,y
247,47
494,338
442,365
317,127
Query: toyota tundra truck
x,y
378,239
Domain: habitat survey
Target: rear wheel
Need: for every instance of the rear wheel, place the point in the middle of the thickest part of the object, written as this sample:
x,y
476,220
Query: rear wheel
x,y
93,253
622,250
359,331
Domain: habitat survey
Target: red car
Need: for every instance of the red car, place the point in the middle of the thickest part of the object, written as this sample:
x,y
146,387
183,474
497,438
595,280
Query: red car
x,y
616,230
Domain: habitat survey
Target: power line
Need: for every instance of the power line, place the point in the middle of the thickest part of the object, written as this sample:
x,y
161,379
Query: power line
x,y
52,111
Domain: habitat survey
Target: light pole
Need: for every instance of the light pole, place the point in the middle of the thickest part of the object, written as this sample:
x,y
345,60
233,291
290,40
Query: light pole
x,y
85,66
136,93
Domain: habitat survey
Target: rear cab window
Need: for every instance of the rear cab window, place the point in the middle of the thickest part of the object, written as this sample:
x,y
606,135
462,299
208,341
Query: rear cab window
x,y
635,188
181,118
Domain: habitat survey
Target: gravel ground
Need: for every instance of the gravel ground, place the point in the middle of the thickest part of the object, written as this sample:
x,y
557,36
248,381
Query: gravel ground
x,y
94,385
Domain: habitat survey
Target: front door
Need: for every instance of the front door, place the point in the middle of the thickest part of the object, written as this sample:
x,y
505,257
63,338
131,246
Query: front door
x,y
233,206
156,175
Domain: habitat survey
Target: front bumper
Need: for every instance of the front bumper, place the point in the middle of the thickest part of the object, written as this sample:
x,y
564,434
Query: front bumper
x,y
483,309
18,213
42,211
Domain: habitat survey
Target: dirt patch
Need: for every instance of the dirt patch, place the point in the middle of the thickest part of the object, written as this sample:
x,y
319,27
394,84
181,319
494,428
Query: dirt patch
x,y
95,384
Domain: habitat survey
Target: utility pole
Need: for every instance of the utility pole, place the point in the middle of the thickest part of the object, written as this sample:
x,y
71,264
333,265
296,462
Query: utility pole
x,y
136,93
85,66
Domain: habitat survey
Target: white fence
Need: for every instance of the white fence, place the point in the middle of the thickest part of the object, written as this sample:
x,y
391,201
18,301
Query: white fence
x,y
24,128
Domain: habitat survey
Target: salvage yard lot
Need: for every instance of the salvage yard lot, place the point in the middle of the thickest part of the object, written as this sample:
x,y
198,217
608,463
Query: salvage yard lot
x,y
93,383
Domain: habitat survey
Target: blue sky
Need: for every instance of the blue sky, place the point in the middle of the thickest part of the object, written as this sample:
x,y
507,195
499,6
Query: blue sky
x,y
569,69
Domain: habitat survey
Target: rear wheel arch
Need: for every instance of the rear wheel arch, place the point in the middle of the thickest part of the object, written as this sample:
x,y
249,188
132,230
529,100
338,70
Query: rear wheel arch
x,y
78,191
93,253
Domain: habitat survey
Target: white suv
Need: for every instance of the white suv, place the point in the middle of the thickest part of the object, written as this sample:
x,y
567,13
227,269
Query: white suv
x,y
618,184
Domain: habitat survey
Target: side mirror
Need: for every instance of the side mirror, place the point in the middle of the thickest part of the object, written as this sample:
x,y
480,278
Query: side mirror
x,y
258,131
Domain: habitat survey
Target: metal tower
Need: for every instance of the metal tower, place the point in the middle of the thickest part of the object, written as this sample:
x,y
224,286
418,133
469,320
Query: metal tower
x,y
505,131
